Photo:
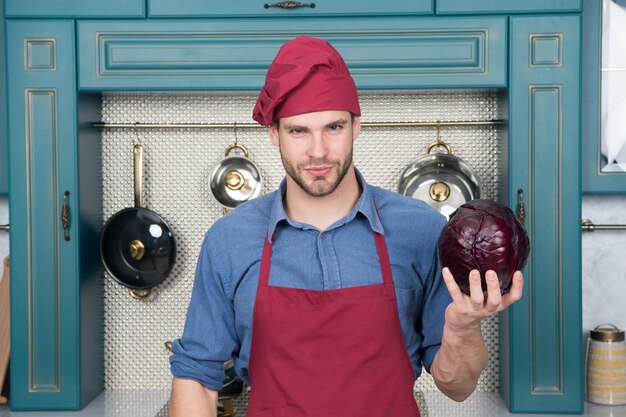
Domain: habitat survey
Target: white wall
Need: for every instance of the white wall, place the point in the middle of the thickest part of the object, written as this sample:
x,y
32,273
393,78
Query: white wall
x,y
604,263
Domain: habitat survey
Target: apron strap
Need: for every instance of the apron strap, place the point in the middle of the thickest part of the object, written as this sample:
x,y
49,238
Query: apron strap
x,y
383,258
266,260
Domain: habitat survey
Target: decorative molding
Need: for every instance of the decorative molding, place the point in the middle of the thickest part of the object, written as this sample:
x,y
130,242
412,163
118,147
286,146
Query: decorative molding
x,y
40,54
546,333
546,50
180,53
44,359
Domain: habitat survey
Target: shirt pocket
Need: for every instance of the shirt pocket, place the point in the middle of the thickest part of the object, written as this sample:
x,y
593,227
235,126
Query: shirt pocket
x,y
409,300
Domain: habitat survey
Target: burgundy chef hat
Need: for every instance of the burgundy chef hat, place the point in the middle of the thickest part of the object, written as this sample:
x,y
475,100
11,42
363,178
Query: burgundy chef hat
x,y
307,75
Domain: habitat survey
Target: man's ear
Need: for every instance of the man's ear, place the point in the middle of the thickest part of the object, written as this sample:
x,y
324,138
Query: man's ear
x,y
274,134
356,128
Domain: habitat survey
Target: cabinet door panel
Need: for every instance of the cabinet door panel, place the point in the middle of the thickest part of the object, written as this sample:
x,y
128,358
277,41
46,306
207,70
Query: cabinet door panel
x,y
204,8
499,6
595,180
47,278
75,8
541,371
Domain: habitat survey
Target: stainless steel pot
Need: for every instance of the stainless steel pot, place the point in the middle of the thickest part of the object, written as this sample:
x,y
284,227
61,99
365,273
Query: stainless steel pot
x,y
235,179
442,180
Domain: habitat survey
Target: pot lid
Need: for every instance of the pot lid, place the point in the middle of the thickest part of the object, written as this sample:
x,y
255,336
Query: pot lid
x,y
235,180
137,248
443,181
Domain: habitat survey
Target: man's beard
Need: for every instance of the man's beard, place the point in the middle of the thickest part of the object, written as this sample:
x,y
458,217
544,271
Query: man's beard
x,y
320,186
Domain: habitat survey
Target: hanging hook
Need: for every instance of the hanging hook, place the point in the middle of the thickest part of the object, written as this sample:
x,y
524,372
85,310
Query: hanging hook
x,y
438,143
235,129
136,131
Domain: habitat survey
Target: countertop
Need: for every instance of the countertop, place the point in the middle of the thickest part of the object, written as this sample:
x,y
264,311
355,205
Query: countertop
x,y
432,404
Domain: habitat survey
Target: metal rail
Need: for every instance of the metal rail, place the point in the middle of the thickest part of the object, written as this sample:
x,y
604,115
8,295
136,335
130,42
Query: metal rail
x,y
256,125
589,226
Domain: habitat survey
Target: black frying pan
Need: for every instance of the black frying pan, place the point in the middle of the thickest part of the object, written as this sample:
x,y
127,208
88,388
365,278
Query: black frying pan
x,y
137,246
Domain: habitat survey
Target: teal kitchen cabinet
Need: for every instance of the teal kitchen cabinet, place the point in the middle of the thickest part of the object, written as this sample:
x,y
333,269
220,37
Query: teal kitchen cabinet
x,y
261,8
55,214
541,354
510,7
595,179
408,52
533,60
74,8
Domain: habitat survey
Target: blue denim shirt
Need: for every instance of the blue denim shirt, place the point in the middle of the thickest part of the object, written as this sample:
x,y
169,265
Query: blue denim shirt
x,y
219,318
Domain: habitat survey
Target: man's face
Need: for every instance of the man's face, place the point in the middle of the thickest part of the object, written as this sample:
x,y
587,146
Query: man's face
x,y
316,148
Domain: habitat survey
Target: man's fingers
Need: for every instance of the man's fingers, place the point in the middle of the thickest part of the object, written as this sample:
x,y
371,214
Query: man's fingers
x,y
476,289
516,290
494,298
453,287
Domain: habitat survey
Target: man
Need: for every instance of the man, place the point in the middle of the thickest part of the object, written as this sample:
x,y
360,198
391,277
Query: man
x,y
328,292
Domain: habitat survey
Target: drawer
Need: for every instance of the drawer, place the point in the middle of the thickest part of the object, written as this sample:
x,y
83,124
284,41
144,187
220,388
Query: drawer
x,y
234,54
262,8
507,6
75,8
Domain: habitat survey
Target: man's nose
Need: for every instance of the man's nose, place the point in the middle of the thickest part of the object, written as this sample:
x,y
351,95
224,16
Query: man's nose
x,y
317,146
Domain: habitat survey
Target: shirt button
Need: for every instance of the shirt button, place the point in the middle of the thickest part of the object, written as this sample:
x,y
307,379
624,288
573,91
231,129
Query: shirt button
x,y
323,235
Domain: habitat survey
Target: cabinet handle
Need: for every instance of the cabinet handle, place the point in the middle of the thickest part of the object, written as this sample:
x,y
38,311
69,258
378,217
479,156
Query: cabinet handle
x,y
521,209
65,216
289,5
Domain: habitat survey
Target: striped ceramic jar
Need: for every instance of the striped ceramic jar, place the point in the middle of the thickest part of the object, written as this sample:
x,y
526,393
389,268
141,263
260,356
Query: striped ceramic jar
x,y
606,366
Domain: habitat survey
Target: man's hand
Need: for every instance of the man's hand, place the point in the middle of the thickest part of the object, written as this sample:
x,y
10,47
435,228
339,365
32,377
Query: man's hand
x,y
467,311
463,354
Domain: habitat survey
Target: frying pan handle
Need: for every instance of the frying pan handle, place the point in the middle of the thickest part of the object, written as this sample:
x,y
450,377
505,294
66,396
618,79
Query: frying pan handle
x,y
140,294
138,171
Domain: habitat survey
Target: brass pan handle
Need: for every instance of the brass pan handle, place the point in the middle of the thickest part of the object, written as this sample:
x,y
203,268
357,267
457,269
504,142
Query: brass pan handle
x,y
236,146
138,174
140,294
437,144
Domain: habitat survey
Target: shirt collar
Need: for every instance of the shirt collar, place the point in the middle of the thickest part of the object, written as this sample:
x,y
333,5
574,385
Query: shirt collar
x,y
364,205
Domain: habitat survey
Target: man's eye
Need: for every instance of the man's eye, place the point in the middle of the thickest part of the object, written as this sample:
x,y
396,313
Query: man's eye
x,y
296,131
335,127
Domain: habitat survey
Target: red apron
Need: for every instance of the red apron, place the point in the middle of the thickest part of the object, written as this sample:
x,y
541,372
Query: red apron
x,y
329,353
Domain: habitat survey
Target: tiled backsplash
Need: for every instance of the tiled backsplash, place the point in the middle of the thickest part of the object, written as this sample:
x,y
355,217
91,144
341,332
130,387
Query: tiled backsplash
x,y
177,166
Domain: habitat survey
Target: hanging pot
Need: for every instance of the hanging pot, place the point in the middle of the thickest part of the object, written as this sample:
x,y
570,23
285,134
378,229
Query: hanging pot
x,y
137,246
442,180
235,179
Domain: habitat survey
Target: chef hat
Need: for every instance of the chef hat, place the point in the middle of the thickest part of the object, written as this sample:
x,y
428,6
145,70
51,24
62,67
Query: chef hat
x,y
307,75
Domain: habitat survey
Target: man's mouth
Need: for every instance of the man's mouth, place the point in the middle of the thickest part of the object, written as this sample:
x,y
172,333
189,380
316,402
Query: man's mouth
x,y
318,171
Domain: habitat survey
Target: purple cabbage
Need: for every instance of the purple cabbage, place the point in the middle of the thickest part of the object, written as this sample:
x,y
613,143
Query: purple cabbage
x,y
484,235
